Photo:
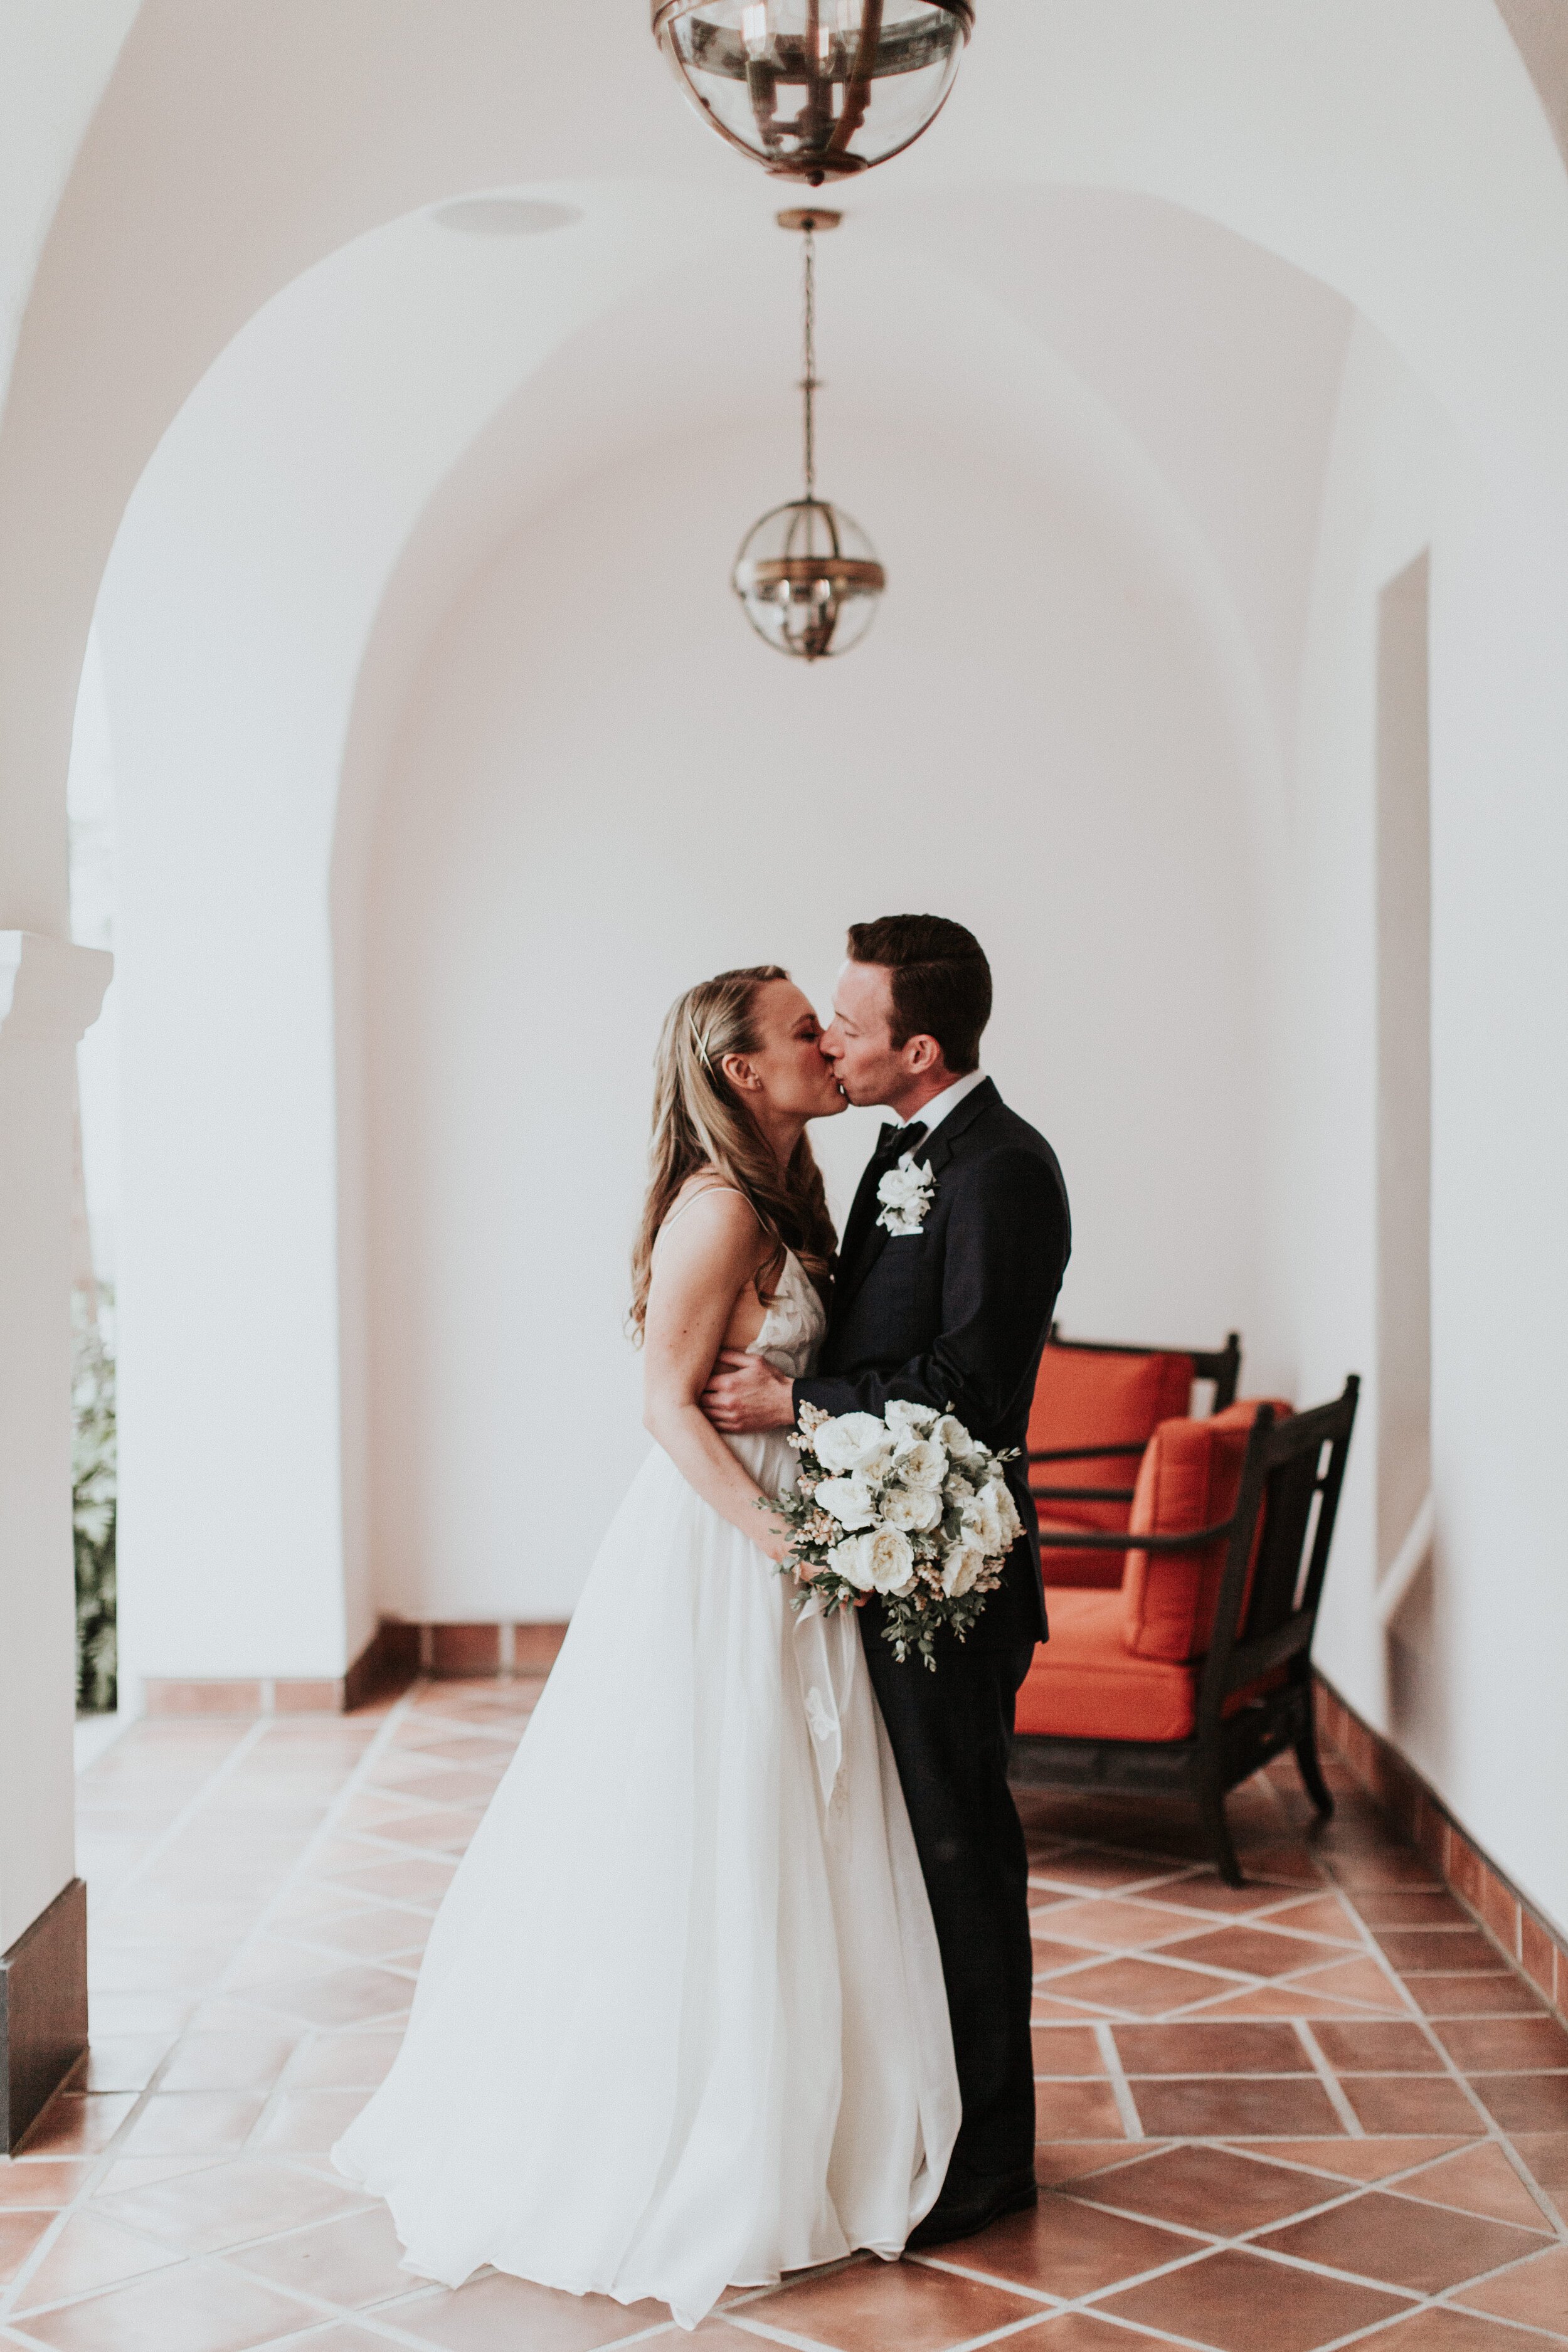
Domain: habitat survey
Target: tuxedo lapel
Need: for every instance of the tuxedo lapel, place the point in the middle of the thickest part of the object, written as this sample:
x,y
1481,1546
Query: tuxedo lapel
x,y
861,1211
864,1239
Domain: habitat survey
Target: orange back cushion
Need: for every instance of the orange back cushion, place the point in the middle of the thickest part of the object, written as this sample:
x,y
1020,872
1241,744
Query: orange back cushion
x,y
1085,1399
1188,1479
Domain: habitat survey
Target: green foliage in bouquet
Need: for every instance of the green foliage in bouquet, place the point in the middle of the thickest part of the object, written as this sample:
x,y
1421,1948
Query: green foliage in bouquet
x,y
905,1505
93,1512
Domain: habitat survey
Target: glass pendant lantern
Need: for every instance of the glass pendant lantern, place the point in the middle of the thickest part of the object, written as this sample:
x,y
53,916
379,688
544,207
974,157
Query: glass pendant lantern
x,y
815,89
807,575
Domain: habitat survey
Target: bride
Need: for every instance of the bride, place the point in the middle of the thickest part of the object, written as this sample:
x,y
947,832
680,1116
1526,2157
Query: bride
x,y
681,2024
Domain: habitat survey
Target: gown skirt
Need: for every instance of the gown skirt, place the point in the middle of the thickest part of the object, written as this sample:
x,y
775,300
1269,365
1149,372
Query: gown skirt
x,y
681,2022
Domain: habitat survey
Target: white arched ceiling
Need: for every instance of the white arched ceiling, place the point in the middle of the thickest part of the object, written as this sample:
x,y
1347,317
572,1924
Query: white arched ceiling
x,y
1393,149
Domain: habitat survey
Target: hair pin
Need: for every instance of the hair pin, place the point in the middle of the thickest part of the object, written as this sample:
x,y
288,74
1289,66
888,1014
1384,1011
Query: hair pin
x,y
701,1042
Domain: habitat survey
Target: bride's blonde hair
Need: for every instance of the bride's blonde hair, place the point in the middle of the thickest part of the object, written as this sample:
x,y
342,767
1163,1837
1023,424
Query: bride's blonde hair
x,y
699,1121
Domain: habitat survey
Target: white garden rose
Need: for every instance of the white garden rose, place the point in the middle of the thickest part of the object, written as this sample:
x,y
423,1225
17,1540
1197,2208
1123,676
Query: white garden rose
x,y
849,1499
962,1566
914,1509
852,1560
982,1520
919,1463
846,1443
952,1437
892,1559
1008,1510
905,1419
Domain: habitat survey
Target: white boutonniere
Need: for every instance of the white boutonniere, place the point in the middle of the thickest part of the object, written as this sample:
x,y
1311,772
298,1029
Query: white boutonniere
x,y
905,1193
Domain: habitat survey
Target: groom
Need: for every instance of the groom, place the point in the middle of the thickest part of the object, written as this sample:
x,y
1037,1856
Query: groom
x,y
953,1315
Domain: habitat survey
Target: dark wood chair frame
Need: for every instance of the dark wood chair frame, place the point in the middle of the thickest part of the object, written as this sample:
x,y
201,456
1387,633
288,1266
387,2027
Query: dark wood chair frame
x,y
1291,1478
1220,1365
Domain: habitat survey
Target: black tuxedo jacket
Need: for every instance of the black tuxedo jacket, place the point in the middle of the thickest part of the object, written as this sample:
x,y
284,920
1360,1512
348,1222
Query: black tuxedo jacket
x,y
957,1316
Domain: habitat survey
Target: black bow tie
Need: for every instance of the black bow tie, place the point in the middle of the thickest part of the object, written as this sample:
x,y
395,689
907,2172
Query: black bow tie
x,y
895,1140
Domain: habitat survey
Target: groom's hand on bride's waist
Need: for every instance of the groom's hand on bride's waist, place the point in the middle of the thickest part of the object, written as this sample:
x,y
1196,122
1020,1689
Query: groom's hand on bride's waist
x,y
744,1394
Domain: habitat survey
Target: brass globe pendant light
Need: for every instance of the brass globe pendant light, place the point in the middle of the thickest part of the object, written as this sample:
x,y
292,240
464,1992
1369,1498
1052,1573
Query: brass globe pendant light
x,y
815,89
807,575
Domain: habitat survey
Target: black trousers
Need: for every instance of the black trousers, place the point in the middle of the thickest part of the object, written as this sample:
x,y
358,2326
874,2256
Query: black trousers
x,y
950,1733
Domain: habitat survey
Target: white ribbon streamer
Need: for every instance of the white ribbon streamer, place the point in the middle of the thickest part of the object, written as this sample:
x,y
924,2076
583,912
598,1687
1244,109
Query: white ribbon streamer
x,y
825,1650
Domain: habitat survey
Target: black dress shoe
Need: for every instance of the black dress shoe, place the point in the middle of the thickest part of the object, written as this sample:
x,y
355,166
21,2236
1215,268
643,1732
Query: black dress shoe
x,y
965,2207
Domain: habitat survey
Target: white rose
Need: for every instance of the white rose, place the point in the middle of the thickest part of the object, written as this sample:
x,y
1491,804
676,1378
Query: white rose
x,y
914,1509
852,1560
904,1419
952,1435
982,1520
919,1463
849,1499
892,1560
962,1566
1007,1511
957,1488
844,1444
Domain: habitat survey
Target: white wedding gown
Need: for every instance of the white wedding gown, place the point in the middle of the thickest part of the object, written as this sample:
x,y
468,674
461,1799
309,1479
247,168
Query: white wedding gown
x,y
682,2025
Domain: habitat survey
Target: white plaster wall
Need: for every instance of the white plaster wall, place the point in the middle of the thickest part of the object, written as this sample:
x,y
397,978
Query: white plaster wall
x,y
1470,1683
53,63
232,619
94,895
607,787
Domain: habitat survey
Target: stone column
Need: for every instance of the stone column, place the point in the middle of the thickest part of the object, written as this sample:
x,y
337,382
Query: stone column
x,y
50,993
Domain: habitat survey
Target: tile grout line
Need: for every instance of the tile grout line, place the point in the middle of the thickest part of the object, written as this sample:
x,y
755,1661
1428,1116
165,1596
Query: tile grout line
x,y
1333,2089
1416,2299
114,2148
399,1713
370,2317
242,1748
179,2258
1410,2010
1450,2065
109,2155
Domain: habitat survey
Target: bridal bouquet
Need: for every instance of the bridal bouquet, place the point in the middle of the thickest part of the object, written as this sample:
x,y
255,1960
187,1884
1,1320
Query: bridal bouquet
x,y
907,1505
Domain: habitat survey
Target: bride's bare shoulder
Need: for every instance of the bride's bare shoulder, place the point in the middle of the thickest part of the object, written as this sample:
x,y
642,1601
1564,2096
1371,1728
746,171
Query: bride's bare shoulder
x,y
709,1204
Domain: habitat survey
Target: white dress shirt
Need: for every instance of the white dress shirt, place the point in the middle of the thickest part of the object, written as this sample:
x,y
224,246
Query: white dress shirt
x,y
937,1110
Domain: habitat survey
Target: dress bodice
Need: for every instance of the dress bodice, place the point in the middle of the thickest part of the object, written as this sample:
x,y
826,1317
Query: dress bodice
x,y
793,1325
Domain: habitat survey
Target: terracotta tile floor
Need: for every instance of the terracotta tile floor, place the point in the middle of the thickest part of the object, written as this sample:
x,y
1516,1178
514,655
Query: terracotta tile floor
x,y
1317,2111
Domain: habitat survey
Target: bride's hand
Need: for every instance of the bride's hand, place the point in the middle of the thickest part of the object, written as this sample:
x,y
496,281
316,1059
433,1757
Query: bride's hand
x,y
775,1539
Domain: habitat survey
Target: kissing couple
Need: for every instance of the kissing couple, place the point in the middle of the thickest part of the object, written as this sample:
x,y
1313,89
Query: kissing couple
x,y
735,1978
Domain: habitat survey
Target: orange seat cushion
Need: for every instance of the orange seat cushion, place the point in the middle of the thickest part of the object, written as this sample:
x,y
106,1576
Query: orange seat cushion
x,y
1085,1685
1189,1478
1082,1398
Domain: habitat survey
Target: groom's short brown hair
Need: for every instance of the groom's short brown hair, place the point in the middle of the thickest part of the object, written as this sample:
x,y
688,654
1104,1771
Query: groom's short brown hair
x,y
940,982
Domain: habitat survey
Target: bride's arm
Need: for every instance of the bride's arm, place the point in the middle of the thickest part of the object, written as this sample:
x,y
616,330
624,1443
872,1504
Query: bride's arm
x,y
700,1266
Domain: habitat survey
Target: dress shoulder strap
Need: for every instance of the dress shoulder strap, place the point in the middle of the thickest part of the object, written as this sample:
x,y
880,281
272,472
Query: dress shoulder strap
x,y
701,1194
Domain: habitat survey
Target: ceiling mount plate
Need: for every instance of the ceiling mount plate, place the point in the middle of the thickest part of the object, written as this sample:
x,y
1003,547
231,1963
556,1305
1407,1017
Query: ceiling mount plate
x,y
816,217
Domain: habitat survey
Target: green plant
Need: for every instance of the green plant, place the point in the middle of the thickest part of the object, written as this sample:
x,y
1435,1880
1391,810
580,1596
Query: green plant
x,y
94,1504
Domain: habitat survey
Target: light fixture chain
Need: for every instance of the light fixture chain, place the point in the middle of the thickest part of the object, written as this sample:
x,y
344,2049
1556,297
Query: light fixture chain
x,y
809,386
